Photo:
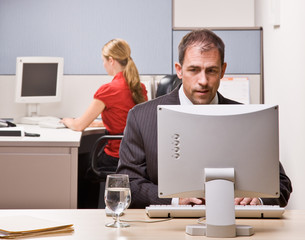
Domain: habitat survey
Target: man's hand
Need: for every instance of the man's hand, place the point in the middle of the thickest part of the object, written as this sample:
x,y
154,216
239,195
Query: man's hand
x,y
238,201
247,201
191,201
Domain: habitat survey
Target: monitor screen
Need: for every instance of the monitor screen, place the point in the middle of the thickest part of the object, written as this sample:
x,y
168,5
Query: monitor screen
x,y
235,143
38,79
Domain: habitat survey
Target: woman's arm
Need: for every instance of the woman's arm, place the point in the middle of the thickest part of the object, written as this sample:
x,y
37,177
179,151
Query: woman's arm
x,y
97,124
92,112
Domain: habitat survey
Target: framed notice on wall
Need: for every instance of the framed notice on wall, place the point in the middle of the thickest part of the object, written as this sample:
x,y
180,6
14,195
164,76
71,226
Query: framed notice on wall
x,y
235,88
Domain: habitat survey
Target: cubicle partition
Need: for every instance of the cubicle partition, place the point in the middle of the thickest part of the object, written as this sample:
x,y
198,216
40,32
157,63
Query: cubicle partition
x,y
77,30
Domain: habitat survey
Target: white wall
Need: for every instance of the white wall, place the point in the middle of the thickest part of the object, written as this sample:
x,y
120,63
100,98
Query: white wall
x,y
284,50
213,13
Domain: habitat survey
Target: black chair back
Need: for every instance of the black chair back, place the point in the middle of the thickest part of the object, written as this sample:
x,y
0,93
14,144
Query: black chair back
x,y
97,148
167,84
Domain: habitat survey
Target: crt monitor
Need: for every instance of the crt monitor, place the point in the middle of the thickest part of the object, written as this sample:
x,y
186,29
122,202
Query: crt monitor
x,y
38,80
218,152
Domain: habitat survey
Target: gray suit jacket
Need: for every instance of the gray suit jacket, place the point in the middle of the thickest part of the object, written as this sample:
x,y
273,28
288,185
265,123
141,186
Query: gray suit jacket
x,y
138,150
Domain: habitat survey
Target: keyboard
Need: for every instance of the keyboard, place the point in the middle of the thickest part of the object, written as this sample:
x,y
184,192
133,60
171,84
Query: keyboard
x,y
37,119
51,124
43,121
196,211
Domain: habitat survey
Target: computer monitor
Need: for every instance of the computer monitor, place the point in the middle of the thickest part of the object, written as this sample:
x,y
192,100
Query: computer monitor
x,y
38,80
218,152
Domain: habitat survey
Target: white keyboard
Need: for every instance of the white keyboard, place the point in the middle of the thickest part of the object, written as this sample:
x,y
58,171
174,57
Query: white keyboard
x,y
196,211
43,121
51,124
37,119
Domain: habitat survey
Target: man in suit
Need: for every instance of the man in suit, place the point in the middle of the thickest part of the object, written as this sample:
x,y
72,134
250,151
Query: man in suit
x,y
201,66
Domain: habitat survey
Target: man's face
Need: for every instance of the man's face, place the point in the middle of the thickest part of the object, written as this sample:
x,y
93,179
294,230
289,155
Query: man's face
x,y
201,73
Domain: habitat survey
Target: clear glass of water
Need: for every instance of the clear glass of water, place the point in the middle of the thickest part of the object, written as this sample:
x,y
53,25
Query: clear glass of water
x,y
117,197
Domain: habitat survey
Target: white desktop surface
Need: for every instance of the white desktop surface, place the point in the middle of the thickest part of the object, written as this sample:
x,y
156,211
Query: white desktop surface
x,y
48,136
40,172
90,224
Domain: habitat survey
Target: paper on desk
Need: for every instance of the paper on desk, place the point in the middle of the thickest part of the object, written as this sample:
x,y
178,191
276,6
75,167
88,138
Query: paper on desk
x,y
27,226
235,88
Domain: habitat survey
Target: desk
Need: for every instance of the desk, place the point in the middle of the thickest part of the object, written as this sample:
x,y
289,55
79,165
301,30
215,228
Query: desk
x,y
90,224
39,172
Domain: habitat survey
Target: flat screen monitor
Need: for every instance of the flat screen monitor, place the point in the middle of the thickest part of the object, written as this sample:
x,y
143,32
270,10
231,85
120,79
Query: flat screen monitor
x,y
218,152
38,80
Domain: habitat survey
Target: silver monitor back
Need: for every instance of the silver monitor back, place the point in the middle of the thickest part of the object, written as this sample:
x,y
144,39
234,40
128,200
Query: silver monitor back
x,y
243,137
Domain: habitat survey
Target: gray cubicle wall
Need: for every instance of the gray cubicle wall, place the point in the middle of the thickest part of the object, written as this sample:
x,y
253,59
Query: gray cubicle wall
x,y
77,29
243,54
242,49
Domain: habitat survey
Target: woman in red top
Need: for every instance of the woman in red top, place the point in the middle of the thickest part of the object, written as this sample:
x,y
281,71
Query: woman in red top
x,y
113,100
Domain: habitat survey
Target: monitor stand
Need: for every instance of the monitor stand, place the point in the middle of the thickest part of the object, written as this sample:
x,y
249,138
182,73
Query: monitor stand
x,y
32,109
32,114
220,209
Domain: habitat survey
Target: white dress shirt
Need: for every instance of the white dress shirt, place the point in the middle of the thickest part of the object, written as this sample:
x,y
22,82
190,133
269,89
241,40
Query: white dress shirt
x,y
185,101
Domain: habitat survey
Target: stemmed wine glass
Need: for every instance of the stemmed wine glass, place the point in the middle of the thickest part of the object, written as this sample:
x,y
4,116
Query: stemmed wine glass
x,y
117,197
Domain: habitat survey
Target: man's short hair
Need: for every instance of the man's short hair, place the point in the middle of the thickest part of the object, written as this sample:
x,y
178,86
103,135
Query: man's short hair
x,y
203,38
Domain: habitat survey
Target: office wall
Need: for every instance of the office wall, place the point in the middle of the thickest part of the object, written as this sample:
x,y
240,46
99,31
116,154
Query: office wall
x,y
30,20
284,62
213,13
77,29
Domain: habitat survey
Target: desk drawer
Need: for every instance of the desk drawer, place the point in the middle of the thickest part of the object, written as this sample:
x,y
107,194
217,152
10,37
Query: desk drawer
x,y
38,177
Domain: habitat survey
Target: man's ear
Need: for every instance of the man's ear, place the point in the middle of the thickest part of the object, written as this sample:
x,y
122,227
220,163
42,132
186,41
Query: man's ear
x,y
223,70
178,68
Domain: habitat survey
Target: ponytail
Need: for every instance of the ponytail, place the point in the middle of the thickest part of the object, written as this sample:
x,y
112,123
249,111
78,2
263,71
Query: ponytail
x,y
119,50
132,77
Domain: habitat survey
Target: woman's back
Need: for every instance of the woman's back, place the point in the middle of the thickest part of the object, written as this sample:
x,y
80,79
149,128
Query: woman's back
x,y
117,98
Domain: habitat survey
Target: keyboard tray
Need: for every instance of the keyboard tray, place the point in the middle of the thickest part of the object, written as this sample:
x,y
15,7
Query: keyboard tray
x,y
196,211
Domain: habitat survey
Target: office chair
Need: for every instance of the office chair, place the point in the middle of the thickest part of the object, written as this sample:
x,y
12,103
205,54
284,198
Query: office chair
x,y
101,173
167,84
97,148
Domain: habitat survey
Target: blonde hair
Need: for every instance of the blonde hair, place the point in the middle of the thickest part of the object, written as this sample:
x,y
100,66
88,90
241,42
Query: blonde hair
x,y
119,50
